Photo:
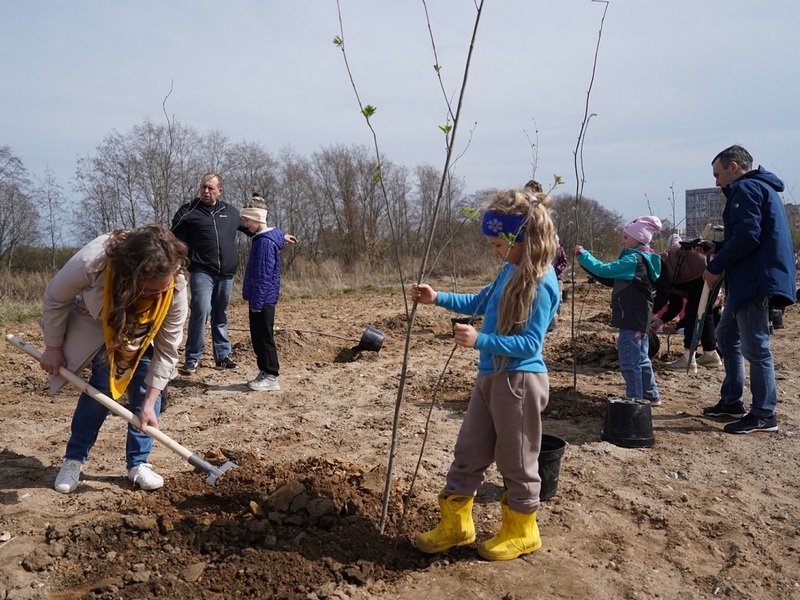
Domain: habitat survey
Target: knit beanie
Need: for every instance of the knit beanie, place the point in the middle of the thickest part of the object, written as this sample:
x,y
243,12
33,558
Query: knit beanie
x,y
259,215
642,228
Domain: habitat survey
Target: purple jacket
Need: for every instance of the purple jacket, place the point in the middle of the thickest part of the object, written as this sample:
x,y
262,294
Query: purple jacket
x,y
262,277
560,262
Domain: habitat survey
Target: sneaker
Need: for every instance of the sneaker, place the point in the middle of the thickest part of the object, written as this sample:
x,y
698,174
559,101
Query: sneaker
x,y
144,476
709,360
736,410
262,375
655,401
69,476
264,383
189,367
226,363
751,423
681,364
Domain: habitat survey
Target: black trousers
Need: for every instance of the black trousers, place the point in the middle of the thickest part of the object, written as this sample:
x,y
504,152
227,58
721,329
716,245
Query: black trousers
x,y
262,325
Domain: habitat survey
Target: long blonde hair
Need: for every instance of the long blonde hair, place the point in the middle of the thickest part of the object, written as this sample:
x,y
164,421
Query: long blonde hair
x,y
539,250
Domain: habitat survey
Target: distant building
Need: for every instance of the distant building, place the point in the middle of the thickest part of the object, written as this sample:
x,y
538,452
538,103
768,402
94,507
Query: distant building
x,y
703,206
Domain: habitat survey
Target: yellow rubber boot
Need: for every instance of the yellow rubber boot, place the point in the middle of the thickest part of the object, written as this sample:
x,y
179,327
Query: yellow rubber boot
x,y
454,529
518,535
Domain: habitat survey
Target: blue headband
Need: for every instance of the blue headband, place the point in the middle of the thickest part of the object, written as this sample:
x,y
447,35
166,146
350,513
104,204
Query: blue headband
x,y
495,225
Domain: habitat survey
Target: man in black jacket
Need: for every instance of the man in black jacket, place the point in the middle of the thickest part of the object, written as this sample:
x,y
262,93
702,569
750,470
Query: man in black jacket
x,y
208,226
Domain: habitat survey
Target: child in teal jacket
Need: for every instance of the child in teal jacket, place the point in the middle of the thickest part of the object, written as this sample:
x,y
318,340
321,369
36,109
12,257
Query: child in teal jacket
x,y
632,276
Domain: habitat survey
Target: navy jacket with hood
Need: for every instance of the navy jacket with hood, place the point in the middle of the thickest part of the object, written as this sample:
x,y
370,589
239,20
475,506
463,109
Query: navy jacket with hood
x,y
756,254
210,233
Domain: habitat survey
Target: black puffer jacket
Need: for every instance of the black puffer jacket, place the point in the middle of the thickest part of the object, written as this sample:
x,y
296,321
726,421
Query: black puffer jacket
x,y
210,233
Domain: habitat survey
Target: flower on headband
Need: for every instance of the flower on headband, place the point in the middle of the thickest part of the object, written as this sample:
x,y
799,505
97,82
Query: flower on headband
x,y
494,225
498,225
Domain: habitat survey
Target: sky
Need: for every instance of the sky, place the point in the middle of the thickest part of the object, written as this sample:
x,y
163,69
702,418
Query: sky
x,y
675,83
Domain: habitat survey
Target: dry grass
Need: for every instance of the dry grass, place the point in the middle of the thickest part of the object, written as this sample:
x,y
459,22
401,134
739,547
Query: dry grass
x,y
21,293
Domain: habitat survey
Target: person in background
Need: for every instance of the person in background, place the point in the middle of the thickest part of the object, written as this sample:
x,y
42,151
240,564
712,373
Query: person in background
x,y
119,304
208,226
534,186
632,276
503,423
261,288
757,258
679,288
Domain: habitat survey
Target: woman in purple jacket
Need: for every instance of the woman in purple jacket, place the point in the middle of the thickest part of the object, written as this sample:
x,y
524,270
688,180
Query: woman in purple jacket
x,y
261,288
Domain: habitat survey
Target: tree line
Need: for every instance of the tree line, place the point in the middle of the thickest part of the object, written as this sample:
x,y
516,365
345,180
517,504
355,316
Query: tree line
x,y
343,207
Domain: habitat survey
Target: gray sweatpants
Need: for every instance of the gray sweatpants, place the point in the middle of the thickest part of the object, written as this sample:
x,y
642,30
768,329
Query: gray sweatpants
x,y
503,424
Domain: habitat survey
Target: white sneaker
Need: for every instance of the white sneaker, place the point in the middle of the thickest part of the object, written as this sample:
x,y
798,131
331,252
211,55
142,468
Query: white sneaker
x,y
69,476
709,360
681,364
264,383
144,476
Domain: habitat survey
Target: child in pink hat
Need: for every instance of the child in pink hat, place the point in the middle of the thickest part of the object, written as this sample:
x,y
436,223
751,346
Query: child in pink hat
x,y
632,276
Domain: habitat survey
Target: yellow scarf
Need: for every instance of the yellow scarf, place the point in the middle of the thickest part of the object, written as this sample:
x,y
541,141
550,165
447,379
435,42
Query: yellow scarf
x,y
150,314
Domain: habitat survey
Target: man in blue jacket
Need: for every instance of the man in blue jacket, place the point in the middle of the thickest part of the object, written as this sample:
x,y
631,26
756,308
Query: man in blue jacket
x,y
208,226
757,259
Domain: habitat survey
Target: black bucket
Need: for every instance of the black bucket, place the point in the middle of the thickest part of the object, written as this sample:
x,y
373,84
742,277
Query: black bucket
x,y
629,423
550,465
371,339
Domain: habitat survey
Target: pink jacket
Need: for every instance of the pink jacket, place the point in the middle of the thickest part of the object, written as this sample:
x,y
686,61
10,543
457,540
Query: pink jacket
x,y
72,308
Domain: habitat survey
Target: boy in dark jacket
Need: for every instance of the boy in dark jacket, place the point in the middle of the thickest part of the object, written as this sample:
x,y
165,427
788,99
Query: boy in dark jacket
x,y
261,288
633,274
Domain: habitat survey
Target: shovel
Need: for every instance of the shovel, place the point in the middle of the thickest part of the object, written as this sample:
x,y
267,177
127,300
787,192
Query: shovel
x,y
706,298
121,411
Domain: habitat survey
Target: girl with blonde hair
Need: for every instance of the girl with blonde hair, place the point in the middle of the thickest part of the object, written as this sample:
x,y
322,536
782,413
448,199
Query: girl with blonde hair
x,y
503,422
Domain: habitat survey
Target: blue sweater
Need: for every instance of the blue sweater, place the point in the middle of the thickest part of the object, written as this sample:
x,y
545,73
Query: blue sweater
x,y
756,254
262,278
524,349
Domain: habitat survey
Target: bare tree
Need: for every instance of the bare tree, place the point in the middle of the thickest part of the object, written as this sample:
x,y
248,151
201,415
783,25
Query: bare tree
x,y
51,214
346,201
600,230
251,169
143,176
17,211
296,212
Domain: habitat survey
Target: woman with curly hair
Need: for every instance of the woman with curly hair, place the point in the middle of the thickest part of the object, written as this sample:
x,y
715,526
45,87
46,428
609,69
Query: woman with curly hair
x,y
119,303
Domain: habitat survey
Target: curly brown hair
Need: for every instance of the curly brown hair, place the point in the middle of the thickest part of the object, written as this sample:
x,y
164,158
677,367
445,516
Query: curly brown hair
x,y
136,256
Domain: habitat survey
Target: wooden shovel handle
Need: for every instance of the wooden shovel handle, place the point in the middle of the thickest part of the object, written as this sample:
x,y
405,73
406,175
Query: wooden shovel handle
x,y
106,401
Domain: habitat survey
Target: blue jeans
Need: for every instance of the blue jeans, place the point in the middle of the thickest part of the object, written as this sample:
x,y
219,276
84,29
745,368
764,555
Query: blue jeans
x,y
637,370
745,335
210,297
89,414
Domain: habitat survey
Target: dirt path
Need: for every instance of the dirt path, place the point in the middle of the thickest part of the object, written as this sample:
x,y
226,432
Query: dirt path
x,y
701,514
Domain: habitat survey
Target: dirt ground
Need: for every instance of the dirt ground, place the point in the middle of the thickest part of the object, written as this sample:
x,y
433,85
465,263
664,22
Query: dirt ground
x,y
701,514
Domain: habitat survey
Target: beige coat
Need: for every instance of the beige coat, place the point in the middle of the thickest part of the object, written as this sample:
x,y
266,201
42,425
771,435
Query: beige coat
x,y
72,308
